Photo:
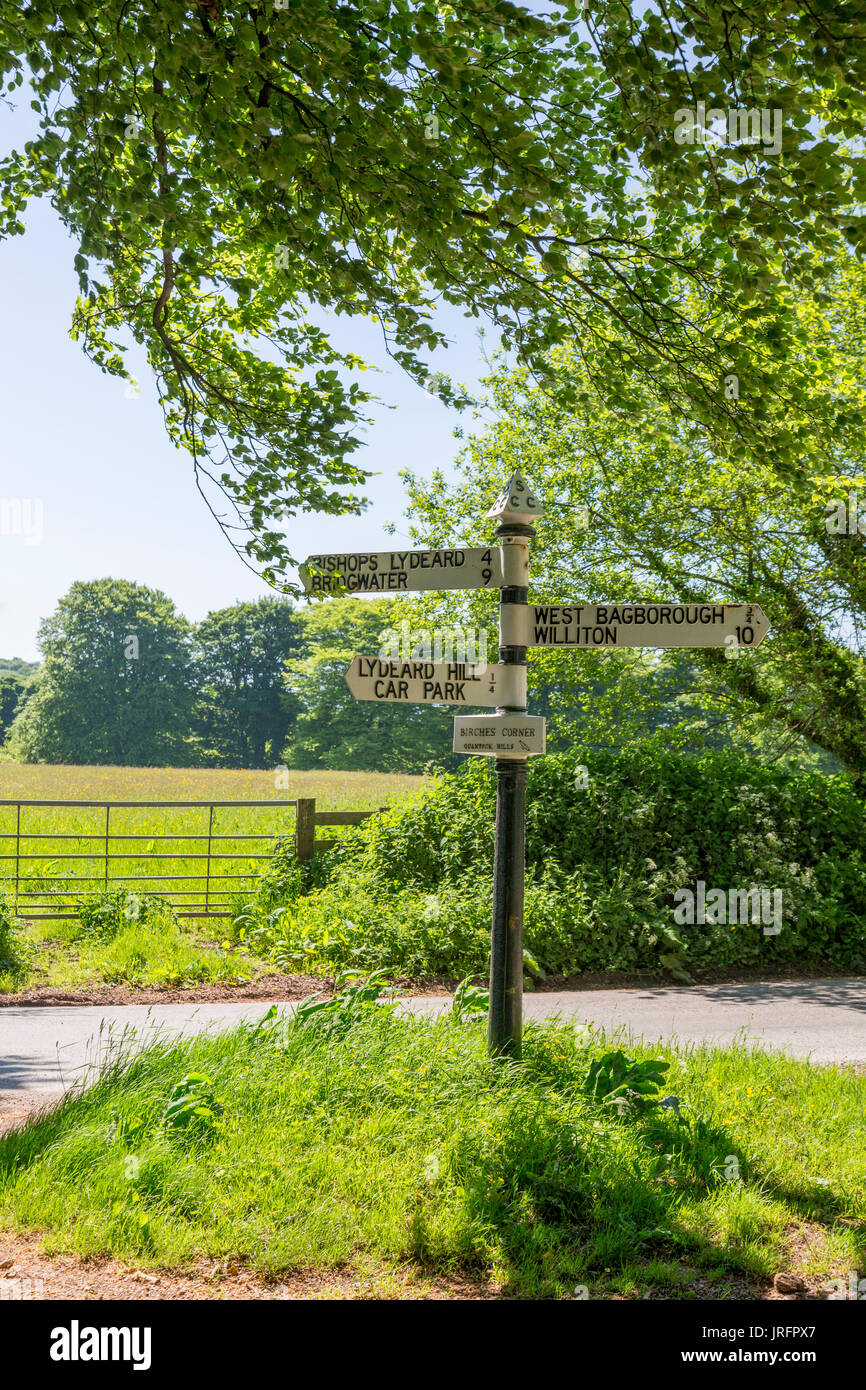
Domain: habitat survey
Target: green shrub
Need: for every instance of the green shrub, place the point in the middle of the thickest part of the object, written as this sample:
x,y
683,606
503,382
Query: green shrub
x,y
286,877
410,891
192,1108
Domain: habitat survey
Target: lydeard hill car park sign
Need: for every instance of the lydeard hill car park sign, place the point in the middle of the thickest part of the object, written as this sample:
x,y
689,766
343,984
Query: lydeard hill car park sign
x,y
435,682
510,735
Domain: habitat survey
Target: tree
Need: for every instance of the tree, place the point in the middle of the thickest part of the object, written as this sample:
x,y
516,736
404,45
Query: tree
x,y
15,666
333,729
642,506
11,691
115,686
243,712
225,165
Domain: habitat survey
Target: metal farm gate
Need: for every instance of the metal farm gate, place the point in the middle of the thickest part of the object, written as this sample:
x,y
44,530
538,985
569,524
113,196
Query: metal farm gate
x,y
206,861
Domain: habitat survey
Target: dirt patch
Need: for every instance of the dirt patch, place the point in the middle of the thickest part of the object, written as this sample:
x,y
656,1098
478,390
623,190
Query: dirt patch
x,y
275,989
16,1109
279,989
647,979
637,979
26,1272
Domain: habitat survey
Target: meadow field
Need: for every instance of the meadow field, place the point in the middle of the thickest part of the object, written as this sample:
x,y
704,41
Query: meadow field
x,y
52,858
338,791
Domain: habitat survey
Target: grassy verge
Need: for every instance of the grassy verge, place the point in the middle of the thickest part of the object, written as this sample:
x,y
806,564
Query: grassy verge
x,y
65,959
120,938
354,1134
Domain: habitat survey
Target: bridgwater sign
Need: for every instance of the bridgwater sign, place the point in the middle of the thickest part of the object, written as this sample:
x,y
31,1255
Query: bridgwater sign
x,y
403,571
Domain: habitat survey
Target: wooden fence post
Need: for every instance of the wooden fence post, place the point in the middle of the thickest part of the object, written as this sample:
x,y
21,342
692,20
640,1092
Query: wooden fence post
x,y
305,828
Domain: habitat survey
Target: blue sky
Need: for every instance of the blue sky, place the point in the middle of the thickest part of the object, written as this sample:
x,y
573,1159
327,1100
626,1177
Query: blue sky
x,y
118,499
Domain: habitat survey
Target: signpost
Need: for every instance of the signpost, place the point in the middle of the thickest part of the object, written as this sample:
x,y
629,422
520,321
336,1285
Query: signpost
x,y
636,624
511,735
503,736
515,509
403,571
434,682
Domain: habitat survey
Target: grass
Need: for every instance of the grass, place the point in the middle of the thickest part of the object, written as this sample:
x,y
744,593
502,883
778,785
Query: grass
x,y
338,791
183,954
358,1136
118,939
59,959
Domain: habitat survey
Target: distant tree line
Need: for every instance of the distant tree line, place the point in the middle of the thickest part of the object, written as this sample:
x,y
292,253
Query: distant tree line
x,y
127,680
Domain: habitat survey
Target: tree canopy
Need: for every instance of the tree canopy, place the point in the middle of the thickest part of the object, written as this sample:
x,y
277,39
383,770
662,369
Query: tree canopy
x,y
11,691
116,685
242,711
228,168
647,507
333,729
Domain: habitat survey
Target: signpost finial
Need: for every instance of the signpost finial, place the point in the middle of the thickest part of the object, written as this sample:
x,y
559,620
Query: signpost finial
x,y
516,502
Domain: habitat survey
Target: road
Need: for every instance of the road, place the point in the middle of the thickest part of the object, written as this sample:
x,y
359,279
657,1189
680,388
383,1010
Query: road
x,y
43,1051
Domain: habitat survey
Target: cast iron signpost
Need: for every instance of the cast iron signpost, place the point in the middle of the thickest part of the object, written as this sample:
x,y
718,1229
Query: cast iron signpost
x,y
510,736
515,509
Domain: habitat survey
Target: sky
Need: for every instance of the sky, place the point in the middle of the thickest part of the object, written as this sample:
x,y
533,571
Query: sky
x,y
103,491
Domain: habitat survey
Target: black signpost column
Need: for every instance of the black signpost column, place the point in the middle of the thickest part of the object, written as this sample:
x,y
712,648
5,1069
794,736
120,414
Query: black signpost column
x,y
505,1018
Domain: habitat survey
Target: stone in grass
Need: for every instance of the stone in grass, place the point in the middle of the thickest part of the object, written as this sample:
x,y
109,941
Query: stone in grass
x,y
789,1283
